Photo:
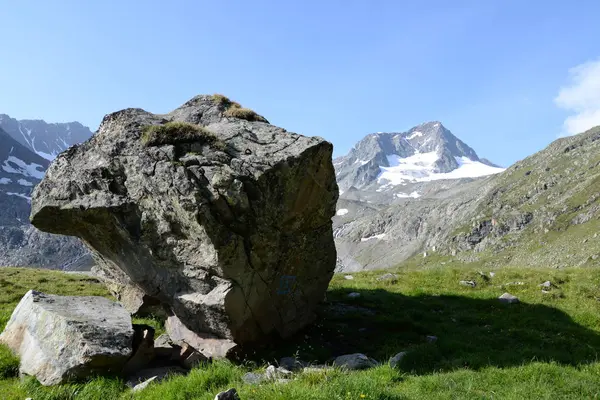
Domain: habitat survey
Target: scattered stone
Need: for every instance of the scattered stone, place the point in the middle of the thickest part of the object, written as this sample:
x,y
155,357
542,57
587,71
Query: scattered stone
x,y
468,283
231,394
185,221
141,386
508,298
388,277
209,345
431,339
190,357
348,277
546,284
273,373
492,274
353,295
397,359
252,378
514,284
545,291
354,361
314,369
291,364
154,374
163,348
595,257
65,338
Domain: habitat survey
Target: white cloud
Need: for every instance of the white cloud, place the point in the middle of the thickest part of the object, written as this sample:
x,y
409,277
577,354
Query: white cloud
x,y
581,96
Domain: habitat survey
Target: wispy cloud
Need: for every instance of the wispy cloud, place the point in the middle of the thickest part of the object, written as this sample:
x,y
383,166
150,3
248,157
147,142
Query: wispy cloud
x,y
581,96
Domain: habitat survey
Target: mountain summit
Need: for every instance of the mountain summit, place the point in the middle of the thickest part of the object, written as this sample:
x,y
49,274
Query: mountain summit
x,y
424,153
45,139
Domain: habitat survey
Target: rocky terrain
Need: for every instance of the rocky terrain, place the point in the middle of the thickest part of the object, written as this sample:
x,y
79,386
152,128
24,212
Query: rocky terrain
x,y
208,210
517,217
47,140
20,243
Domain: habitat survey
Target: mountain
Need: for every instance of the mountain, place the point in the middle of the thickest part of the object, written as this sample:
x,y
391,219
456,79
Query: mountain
x,y
544,210
20,243
428,152
44,139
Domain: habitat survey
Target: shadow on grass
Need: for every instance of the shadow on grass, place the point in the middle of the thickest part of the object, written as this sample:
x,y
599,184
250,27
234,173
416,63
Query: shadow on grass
x,y
471,333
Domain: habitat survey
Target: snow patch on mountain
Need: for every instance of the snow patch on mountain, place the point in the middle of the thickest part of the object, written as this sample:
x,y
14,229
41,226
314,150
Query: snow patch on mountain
x,y
413,195
15,165
24,182
420,167
415,134
342,211
23,196
5,181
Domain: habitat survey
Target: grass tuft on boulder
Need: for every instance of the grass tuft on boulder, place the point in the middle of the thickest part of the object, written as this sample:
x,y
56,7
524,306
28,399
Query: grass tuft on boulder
x,y
178,132
233,109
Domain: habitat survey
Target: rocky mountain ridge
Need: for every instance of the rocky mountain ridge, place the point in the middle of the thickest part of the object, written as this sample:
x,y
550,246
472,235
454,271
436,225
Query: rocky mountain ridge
x,y
543,209
382,161
20,243
47,140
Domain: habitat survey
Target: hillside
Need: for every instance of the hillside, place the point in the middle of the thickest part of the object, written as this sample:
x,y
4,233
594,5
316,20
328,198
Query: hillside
x,y
542,211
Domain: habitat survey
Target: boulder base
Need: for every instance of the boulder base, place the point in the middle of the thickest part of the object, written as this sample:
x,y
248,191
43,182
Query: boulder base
x,y
63,338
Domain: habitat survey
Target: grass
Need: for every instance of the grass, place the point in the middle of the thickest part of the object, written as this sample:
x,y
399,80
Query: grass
x,y
235,110
546,347
178,132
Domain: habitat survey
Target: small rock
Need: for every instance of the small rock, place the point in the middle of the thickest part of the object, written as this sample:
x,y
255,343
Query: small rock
x,y
355,361
546,284
141,386
354,295
274,373
252,378
394,361
492,274
514,283
468,283
348,277
431,339
190,357
153,374
595,257
508,298
545,291
388,277
231,394
291,364
283,380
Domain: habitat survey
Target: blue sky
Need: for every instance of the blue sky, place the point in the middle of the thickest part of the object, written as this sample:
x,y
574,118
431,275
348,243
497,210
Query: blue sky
x,y
502,75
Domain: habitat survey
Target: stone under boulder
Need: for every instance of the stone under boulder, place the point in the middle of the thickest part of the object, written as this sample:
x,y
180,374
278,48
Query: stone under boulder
x,y
208,209
64,338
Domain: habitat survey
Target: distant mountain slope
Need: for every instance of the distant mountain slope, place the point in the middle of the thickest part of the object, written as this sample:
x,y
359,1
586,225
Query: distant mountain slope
x,y
542,211
45,139
425,153
20,243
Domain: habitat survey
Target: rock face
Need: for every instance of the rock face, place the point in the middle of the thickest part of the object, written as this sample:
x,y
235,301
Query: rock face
x,y
62,338
232,231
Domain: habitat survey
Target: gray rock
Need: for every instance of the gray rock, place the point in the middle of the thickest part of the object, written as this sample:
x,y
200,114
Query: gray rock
x,y
145,376
492,274
141,386
64,338
388,277
431,339
508,298
354,295
231,394
274,373
354,362
397,359
233,234
291,364
143,349
207,344
348,277
468,283
252,378
546,284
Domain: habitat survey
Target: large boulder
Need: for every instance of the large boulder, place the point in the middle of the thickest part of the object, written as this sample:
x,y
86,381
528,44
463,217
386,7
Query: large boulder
x,y
64,338
212,211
